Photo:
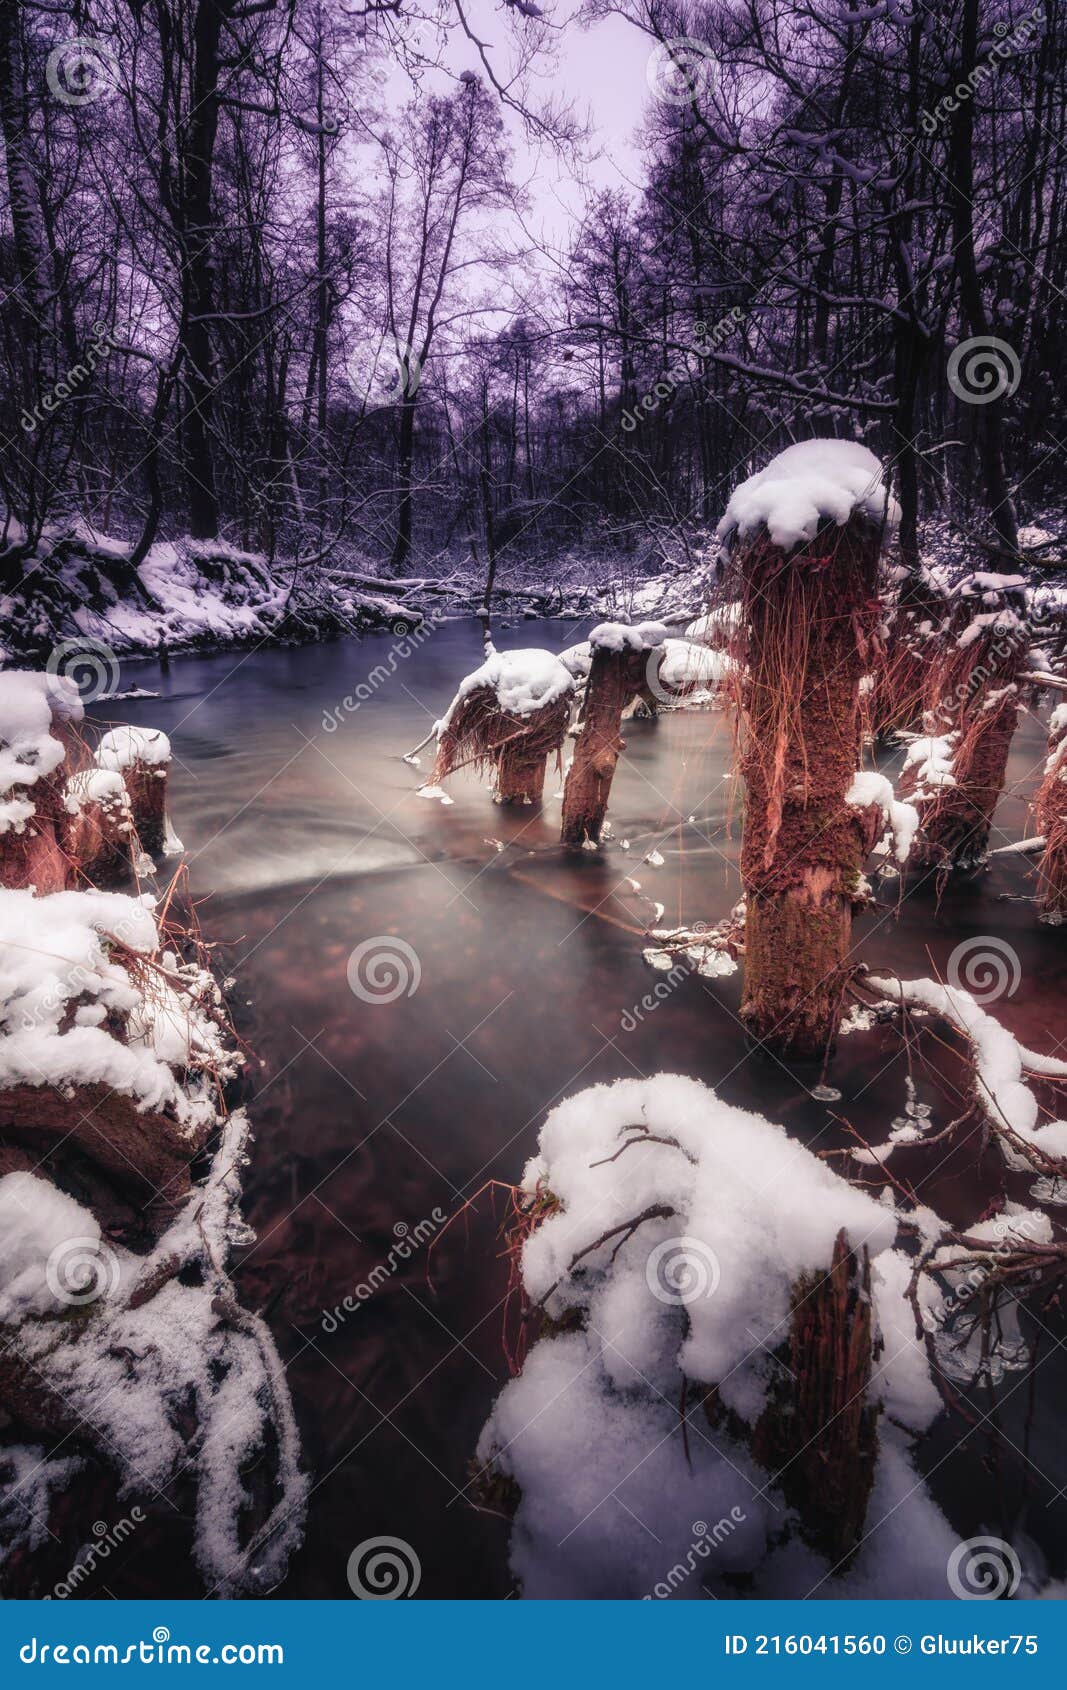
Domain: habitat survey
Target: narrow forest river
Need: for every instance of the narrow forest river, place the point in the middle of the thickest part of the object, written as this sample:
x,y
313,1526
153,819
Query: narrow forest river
x,y
369,1117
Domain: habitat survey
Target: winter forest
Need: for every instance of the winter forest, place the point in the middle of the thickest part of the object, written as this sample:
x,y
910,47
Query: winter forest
x,y
533,799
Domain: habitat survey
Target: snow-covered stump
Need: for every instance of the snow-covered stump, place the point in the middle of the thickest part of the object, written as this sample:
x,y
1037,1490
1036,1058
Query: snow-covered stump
x,y
820,1431
807,534
621,657
109,1044
1050,813
954,773
142,757
100,830
510,716
39,714
149,1361
692,1268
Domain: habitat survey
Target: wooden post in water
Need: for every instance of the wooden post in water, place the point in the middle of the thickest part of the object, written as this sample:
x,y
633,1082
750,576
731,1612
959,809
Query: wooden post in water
x,y
809,617
617,675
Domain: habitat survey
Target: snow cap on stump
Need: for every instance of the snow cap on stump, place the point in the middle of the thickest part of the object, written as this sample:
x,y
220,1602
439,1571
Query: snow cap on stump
x,y
807,485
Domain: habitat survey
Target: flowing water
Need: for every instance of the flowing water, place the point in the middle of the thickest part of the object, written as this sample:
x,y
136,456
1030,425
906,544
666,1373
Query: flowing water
x,y
519,979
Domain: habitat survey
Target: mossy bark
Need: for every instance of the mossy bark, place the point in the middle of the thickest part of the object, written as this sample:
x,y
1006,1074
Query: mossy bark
x,y
811,618
615,678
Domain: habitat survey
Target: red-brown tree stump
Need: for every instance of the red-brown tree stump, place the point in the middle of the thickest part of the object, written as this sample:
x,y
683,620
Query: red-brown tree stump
x,y
617,676
100,829
614,681
1050,813
142,757
811,617
39,714
972,701
819,1433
